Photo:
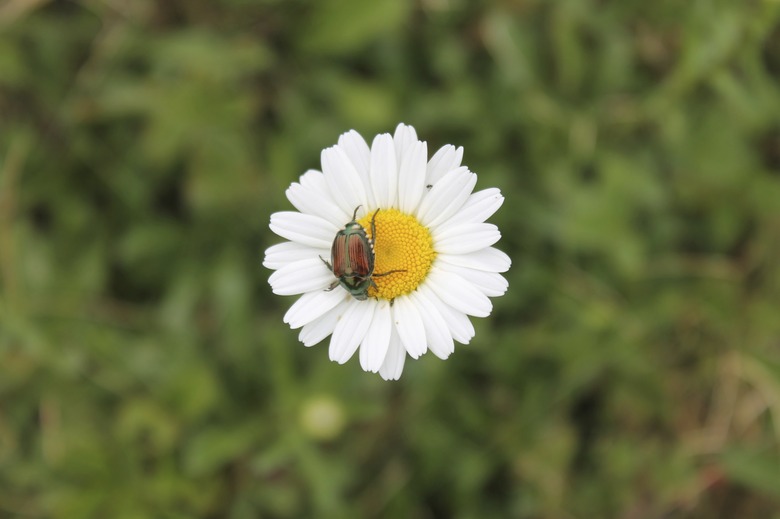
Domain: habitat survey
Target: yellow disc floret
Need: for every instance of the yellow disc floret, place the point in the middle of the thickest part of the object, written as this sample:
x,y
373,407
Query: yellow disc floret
x,y
402,244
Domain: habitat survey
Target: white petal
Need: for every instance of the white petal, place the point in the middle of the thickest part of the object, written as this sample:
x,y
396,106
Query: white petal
x,y
393,365
359,154
351,329
315,200
374,347
437,332
458,293
357,150
345,184
281,254
479,207
311,306
314,179
409,325
304,228
457,322
446,197
443,161
465,238
411,177
384,171
488,259
299,277
323,326
489,283
403,139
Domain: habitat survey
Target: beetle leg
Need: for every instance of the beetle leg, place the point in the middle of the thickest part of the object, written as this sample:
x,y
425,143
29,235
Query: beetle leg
x,y
330,267
388,273
355,213
332,286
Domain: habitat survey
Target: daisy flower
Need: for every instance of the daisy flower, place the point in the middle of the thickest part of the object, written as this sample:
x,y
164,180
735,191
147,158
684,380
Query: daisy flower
x,y
424,228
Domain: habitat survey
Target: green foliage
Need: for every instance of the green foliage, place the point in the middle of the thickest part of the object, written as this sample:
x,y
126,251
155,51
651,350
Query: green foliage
x,y
632,370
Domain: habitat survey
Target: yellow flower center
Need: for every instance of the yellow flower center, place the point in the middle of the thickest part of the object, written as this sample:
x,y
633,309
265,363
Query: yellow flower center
x,y
401,244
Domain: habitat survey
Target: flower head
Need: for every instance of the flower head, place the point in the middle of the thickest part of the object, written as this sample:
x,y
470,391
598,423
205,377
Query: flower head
x,y
389,251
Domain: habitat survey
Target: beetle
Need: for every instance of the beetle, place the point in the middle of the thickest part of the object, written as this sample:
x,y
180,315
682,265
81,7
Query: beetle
x,y
352,259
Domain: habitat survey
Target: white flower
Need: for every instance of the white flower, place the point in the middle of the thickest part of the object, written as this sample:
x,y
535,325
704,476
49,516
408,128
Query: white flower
x,y
430,228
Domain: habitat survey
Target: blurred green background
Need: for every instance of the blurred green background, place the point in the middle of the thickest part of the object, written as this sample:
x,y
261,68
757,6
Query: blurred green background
x,y
632,370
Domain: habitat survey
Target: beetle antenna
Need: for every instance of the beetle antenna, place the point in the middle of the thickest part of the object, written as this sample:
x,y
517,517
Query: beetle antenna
x,y
373,228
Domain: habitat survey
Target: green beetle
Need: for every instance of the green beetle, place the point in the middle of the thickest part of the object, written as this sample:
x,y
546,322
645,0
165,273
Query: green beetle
x,y
352,259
